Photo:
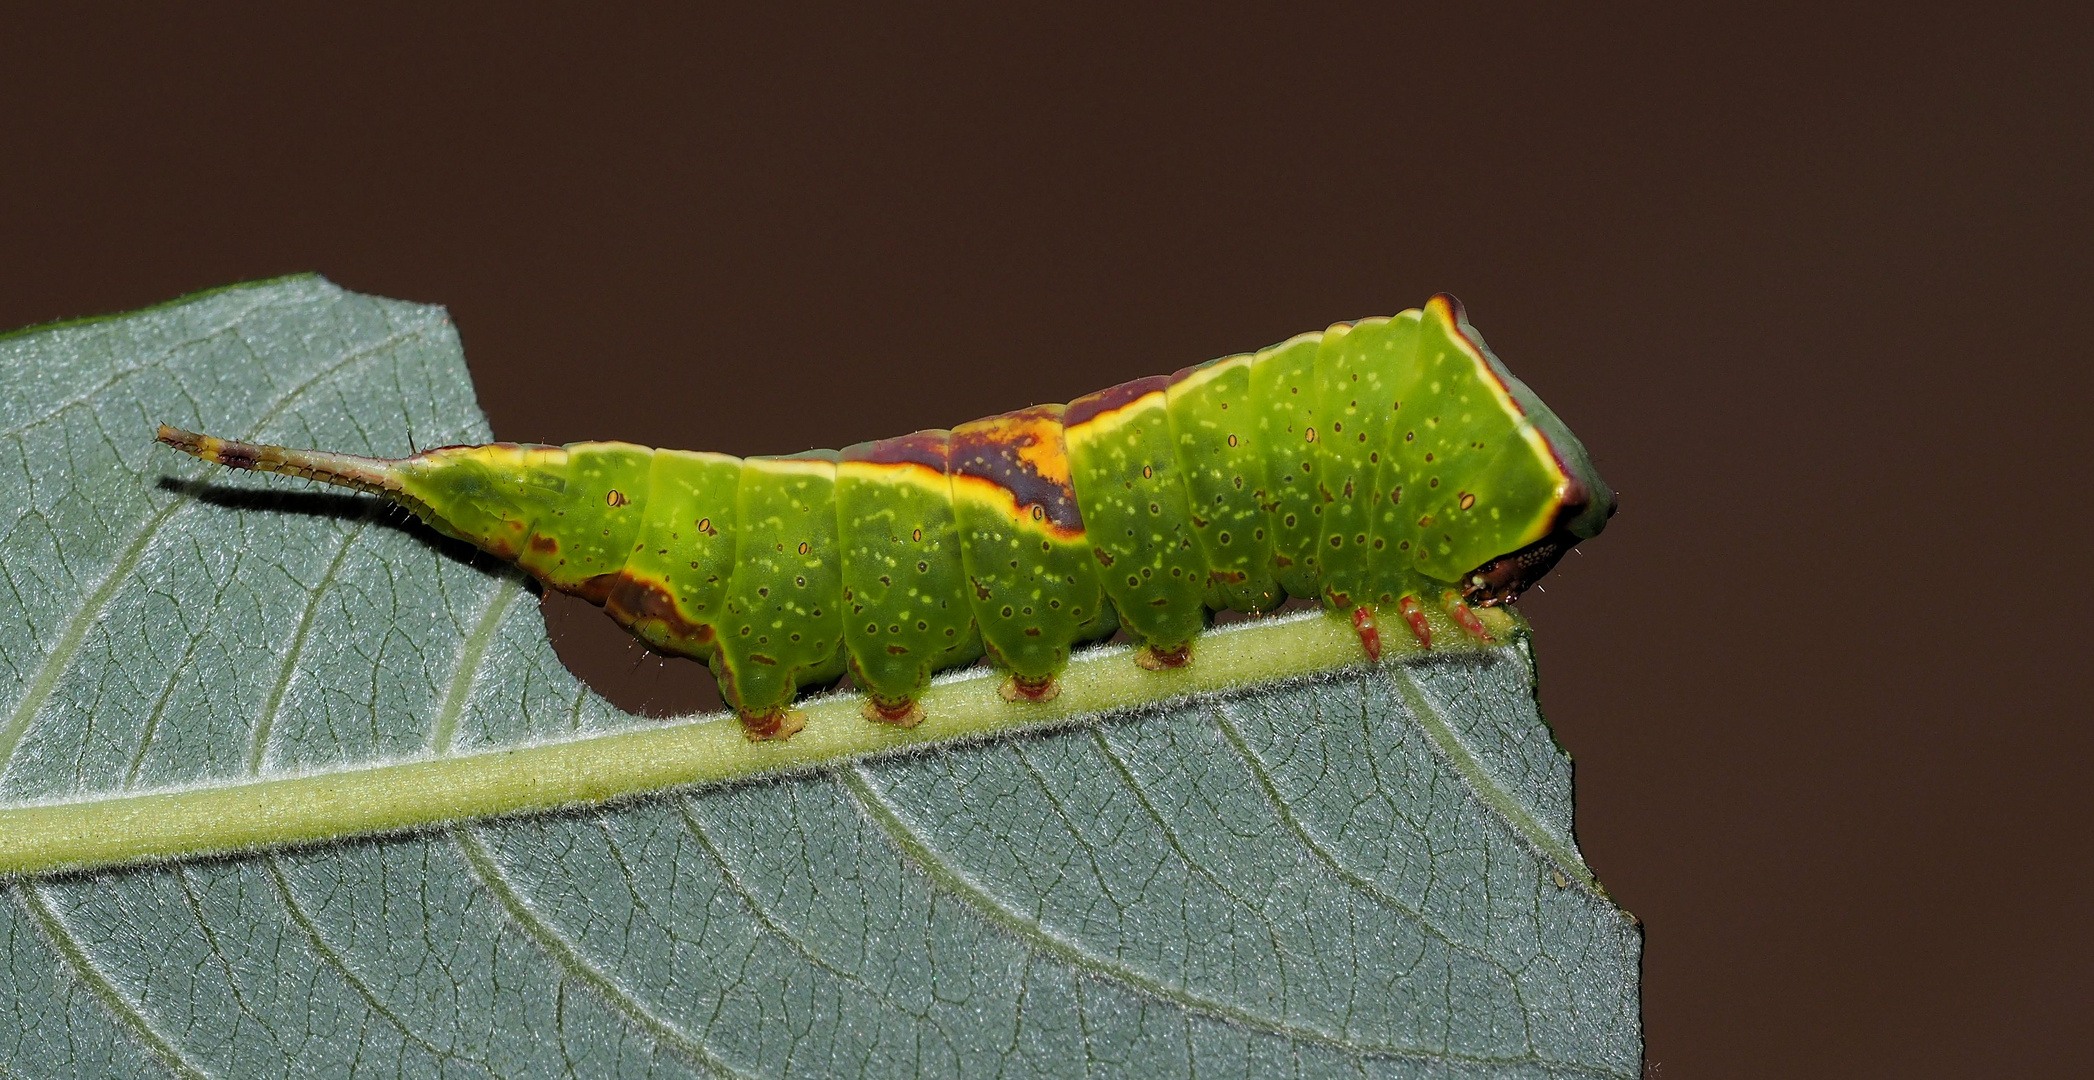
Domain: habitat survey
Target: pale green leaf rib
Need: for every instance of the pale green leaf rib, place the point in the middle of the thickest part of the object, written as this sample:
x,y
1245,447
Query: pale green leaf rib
x,y
574,963
1285,814
756,907
469,656
120,828
1319,848
340,965
152,720
1489,790
1044,939
259,747
68,644
126,1011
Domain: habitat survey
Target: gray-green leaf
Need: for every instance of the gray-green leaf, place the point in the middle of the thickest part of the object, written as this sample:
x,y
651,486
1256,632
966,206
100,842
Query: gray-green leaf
x,y
1368,873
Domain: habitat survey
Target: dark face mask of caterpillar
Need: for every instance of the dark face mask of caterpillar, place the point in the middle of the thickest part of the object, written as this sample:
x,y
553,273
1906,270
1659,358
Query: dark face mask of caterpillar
x,y
1503,579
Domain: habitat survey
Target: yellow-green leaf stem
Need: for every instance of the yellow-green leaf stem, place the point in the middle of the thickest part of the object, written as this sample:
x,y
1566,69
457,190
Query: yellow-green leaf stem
x,y
400,796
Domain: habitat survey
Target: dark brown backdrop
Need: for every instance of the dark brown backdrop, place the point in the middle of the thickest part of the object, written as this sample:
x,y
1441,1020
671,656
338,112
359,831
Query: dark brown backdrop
x,y
1809,284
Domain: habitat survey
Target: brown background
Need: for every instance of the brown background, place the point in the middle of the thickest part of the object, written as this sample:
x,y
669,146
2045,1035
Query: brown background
x,y
1811,285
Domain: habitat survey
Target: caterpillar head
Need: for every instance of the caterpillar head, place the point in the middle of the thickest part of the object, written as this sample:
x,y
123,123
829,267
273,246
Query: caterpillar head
x,y
1582,511
1503,579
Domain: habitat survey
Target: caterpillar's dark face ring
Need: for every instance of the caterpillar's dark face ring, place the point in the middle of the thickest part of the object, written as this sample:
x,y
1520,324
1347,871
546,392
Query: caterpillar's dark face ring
x,y
1503,579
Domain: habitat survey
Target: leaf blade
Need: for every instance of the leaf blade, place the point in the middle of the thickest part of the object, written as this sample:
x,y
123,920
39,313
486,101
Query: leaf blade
x,y
1196,862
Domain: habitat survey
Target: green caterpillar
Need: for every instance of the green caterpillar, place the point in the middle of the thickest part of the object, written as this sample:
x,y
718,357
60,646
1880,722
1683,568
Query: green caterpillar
x,y
1377,465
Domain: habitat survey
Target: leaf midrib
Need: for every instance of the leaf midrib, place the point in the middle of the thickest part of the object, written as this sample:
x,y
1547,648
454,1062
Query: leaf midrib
x,y
375,798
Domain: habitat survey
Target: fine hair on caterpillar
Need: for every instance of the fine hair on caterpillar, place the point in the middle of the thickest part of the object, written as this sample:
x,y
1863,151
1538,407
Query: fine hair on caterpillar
x,y
1382,468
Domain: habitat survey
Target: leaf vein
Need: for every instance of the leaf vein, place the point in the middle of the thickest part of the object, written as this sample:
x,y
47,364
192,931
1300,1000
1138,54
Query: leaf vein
x,y
943,873
569,958
258,748
749,899
128,1013
333,958
470,656
1480,783
1344,872
61,655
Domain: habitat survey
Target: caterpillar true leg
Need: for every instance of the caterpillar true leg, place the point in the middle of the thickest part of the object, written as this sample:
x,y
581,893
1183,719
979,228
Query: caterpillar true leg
x,y
1370,632
1414,614
1463,616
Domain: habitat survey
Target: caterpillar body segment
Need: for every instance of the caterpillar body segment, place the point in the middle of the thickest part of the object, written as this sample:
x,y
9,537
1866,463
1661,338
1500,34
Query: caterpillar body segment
x,y
906,596
1031,575
1283,392
1359,385
1214,426
1382,465
672,590
782,625
1136,514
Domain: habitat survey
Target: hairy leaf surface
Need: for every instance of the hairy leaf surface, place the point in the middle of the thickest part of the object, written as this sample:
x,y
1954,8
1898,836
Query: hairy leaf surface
x,y
1367,873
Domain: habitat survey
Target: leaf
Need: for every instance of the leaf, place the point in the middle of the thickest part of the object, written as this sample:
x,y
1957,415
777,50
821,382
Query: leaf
x,y
1368,872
